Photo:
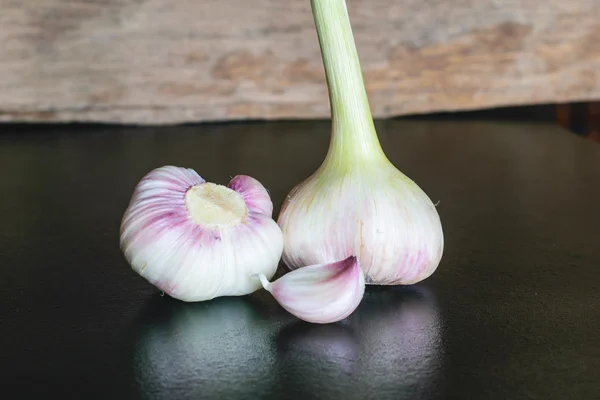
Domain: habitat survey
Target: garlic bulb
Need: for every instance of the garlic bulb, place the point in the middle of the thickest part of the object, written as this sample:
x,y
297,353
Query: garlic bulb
x,y
357,202
322,293
197,240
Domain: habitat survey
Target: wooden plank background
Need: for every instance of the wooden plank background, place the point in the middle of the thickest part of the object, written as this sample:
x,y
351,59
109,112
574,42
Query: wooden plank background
x,y
161,61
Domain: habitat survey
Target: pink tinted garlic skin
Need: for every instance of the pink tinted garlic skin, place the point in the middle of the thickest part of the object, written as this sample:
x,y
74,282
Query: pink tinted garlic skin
x,y
323,293
196,240
375,213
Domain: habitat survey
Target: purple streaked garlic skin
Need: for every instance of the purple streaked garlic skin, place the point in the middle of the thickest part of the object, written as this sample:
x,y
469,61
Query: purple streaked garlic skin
x,y
323,293
196,240
375,213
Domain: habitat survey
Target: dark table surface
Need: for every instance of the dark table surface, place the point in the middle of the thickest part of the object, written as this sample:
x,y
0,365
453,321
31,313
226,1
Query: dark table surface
x,y
513,311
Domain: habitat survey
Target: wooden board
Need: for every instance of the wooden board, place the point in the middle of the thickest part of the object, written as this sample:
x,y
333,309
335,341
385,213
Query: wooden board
x,y
159,61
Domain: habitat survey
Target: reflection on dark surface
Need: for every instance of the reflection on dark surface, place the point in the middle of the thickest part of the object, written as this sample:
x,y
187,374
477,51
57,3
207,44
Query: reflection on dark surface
x,y
317,361
233,348
391,345
215,349
401,341
332,343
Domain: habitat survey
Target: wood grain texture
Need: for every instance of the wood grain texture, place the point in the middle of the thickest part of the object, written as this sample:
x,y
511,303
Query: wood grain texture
x,y
159,61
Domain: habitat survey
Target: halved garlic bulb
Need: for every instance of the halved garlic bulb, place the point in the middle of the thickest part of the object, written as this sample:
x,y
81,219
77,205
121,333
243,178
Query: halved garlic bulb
x,y
323,293
197,240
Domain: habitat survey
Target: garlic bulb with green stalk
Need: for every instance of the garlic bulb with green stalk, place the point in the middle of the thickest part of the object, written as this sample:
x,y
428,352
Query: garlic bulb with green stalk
x,y
322,293
358,203
197,240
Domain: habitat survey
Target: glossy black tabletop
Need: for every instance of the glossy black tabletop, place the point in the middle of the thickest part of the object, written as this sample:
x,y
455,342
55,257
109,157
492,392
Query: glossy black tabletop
x,y
513,311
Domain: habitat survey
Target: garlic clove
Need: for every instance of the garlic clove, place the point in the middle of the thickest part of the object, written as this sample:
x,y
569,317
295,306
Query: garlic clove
x,y
322,293
255,195
196,240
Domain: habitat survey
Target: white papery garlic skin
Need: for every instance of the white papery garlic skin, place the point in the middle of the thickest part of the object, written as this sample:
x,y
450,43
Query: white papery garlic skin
x,y
323,293
375,213
197,240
